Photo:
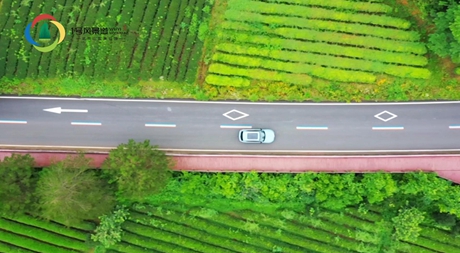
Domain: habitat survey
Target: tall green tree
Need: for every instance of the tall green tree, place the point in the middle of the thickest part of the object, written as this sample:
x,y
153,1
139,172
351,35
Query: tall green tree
x,y
445,41
17,186
407,224
69,191
138,169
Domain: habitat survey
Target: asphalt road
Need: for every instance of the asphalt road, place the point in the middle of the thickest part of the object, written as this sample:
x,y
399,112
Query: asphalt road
x,y
202,125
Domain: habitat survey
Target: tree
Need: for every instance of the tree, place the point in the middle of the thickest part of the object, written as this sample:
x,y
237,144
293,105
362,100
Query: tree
x,y
138,169
378,186
17,187
445,41
69,191
109,231
407,224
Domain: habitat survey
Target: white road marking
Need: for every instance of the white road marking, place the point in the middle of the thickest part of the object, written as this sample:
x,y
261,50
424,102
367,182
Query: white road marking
x,y
13,122
235,126
231,103
312,128
388,128
58,110
159,125
86,123
454,127
243,115
387,112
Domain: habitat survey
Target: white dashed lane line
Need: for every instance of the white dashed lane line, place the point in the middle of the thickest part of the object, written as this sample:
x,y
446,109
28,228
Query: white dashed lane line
x,y
388,128
235,126
454,127
82,123
13,122
160,125
312,128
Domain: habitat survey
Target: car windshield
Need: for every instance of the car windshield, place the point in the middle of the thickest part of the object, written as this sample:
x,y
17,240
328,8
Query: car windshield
x,y
263,136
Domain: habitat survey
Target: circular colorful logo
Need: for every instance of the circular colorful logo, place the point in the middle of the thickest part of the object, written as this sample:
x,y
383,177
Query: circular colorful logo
x,y
44,33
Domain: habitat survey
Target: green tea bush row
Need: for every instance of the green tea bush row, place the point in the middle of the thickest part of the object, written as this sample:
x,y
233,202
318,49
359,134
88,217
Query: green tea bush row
x,y
195,54
226,80
129,248
154,38
59,15
42,235
88,15
333,37
179,244
11,249
325,48
297,68
170,62
161,53
45,61
177,64
439,235
327,238
238,238
434,245
326,60
31,244
316,24
261,74
317,13
53,227
204,242
310,239
345,5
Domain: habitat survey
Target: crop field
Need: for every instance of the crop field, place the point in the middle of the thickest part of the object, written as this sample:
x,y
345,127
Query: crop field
x,y
155,39
179,228
29,234
297,40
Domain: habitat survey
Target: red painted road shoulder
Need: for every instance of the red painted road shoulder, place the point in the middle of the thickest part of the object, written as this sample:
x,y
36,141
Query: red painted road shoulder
x,y
446,166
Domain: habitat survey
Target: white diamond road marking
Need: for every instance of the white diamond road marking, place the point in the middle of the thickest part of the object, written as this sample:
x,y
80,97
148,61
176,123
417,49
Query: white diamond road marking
x,y
388,119
243,115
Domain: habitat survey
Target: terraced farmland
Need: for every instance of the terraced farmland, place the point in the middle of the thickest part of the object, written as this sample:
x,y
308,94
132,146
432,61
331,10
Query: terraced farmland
x,y
179,228
28,234
295,40
161,41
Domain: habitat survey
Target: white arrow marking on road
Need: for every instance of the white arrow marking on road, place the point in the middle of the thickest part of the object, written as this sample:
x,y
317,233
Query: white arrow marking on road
x,y
59,110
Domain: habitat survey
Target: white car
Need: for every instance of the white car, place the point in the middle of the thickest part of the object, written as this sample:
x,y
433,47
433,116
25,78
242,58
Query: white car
x,y
256,136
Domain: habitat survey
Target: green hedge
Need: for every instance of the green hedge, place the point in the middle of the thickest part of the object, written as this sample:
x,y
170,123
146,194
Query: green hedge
x,y
42,235
316,24
297,68
260,74
326,60
227,80
195,54
317,13
28,243
341,4
201,240
325,48
59,15
232,241
175,242
333,37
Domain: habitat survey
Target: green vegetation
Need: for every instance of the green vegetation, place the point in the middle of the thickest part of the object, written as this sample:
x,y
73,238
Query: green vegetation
x,y
70,191
138,169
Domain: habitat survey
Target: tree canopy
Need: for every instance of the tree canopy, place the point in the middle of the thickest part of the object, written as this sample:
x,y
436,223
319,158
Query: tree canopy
x,y
138,169
17,187
69,191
